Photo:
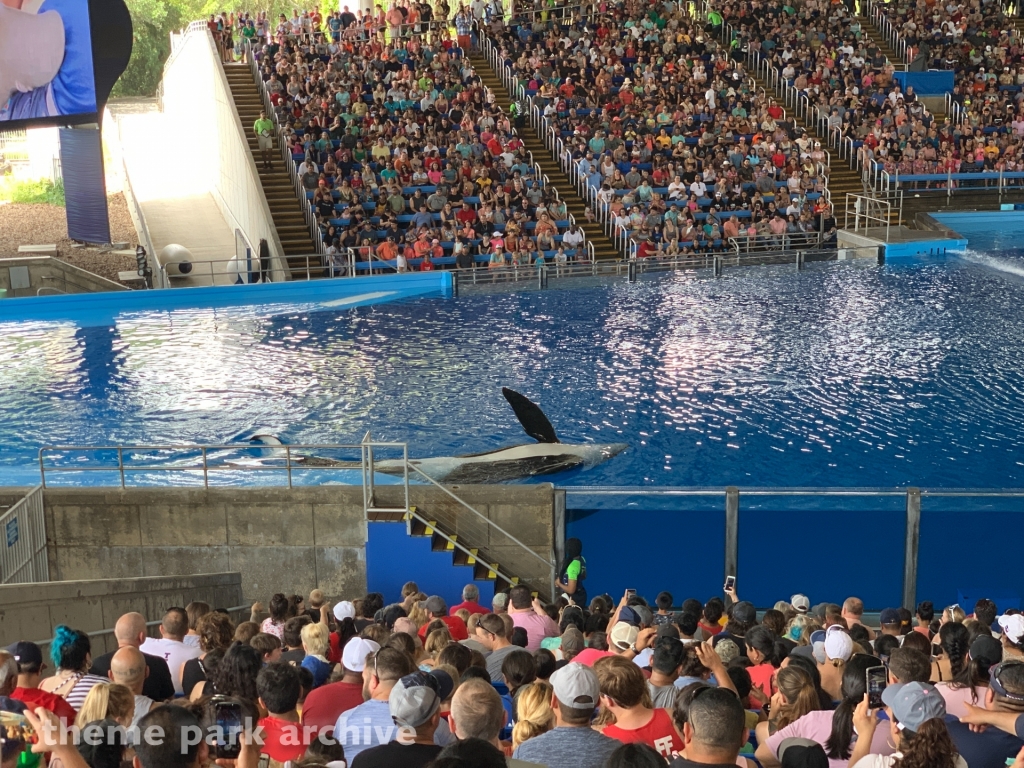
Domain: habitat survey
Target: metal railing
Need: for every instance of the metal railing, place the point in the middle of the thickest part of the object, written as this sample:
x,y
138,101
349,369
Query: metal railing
x,y
811,498
122,462
868,213
875,12
949,183
23,556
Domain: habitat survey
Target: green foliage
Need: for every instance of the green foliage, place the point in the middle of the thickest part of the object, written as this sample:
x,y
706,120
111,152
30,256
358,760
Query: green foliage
x,y
40,191
154,20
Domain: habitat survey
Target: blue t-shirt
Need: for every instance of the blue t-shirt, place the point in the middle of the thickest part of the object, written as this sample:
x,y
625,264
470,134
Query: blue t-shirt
x,y
321,670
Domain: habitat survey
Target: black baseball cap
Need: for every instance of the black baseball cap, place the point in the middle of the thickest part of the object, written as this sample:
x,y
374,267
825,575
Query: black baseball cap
x,y
25,653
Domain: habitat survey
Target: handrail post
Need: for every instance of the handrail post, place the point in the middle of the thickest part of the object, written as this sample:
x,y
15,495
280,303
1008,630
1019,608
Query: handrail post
x,y
206,472
288,463
120,464
912,545
732,530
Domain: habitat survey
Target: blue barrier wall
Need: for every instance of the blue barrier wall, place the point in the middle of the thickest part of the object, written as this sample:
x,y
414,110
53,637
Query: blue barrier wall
x,y
935,82
828,548
340,293
393,558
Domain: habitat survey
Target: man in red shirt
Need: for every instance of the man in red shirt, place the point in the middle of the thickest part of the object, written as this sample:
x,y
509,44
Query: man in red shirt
x,y
325,704
438,611
278,687
30,672
470,601
466,214
622,693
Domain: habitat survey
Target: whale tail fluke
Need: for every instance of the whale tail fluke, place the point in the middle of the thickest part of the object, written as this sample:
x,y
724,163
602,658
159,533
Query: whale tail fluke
x,y
534,422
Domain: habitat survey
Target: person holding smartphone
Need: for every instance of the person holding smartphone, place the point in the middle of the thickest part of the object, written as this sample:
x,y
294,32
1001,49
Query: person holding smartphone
x,y
573,573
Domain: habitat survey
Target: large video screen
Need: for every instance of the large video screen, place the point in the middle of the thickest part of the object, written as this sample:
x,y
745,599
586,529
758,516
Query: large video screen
x,y
46,63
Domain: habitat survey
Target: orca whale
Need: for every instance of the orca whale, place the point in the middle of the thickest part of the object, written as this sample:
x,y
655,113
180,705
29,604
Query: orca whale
x,y
545,457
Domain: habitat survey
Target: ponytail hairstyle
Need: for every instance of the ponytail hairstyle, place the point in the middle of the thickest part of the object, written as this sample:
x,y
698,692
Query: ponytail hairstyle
x,y
106,700
955,641
796,684
70,649
533,707
930,747
854,687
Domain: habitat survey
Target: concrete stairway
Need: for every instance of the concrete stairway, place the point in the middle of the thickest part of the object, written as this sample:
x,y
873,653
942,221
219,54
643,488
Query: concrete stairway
x,y
604,248
277,185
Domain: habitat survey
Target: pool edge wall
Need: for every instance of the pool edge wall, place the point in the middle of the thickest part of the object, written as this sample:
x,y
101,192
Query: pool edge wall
x,y
335,293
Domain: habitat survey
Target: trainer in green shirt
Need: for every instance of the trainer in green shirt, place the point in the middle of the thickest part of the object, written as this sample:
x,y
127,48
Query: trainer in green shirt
x,y
264,128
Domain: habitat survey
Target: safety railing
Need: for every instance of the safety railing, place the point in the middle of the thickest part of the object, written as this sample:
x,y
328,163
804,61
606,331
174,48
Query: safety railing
x,y
785,241
308,211
23,557
281,464
950,184
955,110
731,499
180,462
224,271
867,213
875,11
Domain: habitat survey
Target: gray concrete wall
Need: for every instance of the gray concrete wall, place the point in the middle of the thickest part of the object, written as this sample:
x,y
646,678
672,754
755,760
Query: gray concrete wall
x,y
31,611
50,273
278,539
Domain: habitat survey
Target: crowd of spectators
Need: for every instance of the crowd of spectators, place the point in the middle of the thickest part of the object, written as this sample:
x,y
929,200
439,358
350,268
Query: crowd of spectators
x,y
683,150
401,148
821,50
367,683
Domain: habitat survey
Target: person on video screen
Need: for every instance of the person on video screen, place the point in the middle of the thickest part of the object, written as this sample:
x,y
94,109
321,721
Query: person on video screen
x,y
45,59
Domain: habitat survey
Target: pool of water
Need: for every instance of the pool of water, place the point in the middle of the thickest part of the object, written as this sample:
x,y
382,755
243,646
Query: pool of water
x,y
846,374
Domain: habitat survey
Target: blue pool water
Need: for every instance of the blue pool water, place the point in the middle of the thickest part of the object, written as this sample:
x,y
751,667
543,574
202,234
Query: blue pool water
x,y
846,374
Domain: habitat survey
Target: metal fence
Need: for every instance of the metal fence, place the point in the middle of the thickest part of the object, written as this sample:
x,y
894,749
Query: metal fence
x,y
23,556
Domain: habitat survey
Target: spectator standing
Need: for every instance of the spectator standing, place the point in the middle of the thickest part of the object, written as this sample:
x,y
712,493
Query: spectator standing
x,y
130,632
29,659
528,613
128,668
714,731
284,738
324,705
622,694
992,748
171,646
438,611
370,724
71,652
477,713
490,633
572,743
415,706
470,601
264,130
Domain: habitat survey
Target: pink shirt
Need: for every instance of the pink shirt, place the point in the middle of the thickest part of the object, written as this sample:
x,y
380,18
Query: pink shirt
x,y
537,627
957,698
817,726
588,656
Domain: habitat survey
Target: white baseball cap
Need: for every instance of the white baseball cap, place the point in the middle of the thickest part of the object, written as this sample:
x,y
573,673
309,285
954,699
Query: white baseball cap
x,y
353,658
838,644
801,603
1012,626
344,610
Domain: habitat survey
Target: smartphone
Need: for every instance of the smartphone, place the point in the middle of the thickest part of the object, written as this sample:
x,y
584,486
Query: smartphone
x,y
730,583
630,593
876,682
228,719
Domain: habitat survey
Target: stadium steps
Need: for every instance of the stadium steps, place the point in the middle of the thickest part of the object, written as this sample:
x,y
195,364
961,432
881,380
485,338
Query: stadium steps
x,y
604,248
418,523
285,209
876,37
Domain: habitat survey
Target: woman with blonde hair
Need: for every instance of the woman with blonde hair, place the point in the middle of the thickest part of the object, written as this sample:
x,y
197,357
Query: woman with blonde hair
x,y
953,613
316,643
534,711
104,701
797,629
